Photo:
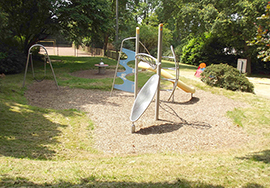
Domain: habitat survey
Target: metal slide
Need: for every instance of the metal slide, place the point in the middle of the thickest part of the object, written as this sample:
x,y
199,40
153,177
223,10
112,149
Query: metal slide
x,y
167,75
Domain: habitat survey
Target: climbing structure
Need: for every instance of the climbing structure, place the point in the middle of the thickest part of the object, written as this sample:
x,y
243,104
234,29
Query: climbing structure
x,y
127,85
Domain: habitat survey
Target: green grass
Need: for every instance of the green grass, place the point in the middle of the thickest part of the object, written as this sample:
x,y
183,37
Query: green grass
x,y
47,147
72,64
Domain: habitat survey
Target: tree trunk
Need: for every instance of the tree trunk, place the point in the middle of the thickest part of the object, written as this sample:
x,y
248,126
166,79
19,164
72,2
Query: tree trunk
x,y
248,59
248,65
106,39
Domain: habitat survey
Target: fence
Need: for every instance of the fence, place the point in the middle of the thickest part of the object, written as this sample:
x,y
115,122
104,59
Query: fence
x,y
99,52
112,54
92,51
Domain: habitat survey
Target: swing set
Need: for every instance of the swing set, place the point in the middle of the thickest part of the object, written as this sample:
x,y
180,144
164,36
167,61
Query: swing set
x,y
46,60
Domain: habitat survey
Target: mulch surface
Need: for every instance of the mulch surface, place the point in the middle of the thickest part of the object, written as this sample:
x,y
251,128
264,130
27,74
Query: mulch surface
x,y
186,125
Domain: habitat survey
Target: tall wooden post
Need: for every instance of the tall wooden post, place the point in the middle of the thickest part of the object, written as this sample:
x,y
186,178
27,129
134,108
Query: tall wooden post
x,y
116,29
159,56
136,62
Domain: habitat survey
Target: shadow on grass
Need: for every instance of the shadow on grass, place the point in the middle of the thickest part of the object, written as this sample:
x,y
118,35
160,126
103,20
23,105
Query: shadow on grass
x,y
263,156
25,132
73,58
253,185
92,181
79,63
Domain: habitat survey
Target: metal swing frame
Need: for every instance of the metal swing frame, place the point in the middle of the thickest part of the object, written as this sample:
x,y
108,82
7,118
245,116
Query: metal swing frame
x,y
47,58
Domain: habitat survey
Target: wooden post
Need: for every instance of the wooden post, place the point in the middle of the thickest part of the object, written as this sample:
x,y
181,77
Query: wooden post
x,y
159,55
136,62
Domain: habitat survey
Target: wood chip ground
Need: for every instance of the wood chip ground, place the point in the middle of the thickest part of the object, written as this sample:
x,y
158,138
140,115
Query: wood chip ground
x,y
187,125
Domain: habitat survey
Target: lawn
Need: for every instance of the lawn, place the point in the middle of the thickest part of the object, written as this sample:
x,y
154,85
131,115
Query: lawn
x,y
47,147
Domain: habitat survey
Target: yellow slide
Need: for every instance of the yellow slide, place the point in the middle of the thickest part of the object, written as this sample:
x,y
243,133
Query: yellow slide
x,y
167,75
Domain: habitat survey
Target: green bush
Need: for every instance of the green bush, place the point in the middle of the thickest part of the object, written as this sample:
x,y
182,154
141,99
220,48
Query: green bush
x,y
226,76
11,60
207,49
192,51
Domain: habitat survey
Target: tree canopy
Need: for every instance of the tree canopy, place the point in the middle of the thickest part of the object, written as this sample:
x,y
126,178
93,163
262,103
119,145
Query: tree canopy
x,y
229,20
34,20
84,18
29,20
229,24
262,38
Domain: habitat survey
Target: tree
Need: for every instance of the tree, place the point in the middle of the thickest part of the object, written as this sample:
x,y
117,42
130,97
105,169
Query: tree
x,y
11,58
34,20
229,20
235,27
207,49
30,20
262,38
4,30
84,18
149,37
133,13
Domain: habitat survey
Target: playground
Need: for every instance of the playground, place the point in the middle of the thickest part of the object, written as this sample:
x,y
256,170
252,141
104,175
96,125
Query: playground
x,y
184,126
68,136
136,111
188,123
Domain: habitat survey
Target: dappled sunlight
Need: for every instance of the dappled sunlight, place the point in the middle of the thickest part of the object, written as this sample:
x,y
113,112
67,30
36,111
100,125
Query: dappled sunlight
x,y
25,133
9,137
19,108
44,134
56,118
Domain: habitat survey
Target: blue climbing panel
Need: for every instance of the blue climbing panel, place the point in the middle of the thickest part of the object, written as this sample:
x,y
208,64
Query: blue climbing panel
x,y
127,85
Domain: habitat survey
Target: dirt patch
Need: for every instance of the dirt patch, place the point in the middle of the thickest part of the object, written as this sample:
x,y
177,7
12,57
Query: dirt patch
x,y
93,73
187,125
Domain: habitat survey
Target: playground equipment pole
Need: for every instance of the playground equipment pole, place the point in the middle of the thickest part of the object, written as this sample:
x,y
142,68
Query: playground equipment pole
x,y
159,56
136,62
